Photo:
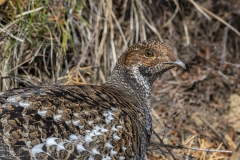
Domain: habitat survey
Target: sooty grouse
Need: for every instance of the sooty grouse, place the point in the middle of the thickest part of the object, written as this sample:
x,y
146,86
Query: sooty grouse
x,y
112,121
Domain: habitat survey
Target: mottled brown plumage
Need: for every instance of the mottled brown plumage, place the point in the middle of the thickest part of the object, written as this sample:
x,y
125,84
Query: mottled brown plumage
x,y
111,121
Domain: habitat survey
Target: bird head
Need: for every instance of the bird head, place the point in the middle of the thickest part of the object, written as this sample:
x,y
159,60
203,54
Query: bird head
x,y
150,58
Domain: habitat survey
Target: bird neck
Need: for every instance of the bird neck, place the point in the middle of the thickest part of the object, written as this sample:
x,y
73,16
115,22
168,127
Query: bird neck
x,y
131,82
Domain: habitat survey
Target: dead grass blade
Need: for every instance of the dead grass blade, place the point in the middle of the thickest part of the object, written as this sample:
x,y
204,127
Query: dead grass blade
x,y
216,17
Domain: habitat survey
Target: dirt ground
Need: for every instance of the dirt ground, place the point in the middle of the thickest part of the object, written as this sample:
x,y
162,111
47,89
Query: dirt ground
x,y
196,111
199,107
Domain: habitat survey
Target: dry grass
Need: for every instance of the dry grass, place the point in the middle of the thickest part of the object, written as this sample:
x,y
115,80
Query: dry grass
x,y
76,42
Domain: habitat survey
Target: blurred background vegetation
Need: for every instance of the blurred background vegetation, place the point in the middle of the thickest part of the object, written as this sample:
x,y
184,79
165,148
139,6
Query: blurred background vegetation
x,y
47,42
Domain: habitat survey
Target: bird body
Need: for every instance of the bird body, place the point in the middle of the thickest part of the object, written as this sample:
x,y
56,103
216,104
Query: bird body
x,y
112,121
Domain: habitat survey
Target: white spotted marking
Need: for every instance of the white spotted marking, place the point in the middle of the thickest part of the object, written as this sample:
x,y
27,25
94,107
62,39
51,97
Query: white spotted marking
x,y
28,143
81,127
57,117
4,105
92,134
80,147
97,133
76,114
95,151
107,121
25,104
114,108
119,127
2,93
103,129
60,111
75,122
37,149
109,145
88,138
105,114
60,146
42,113
25,133
110,113
51,141
90,123
124,148
97,128
114,128
112,152
15,98
110,118
122,158
73,137
98,118
86,112
115,136
25,126
68,122
121,122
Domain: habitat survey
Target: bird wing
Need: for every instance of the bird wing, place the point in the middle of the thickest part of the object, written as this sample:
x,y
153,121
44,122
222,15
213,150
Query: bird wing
x,y
68,122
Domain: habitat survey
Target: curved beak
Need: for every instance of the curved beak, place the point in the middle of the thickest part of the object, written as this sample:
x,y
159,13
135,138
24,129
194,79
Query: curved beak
x,y
178,63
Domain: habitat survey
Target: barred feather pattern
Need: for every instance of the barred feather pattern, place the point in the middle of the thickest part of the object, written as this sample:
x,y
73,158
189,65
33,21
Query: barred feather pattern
x,y
70,122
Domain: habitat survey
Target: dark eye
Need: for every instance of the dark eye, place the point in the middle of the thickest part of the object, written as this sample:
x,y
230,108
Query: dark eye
x,y
149,53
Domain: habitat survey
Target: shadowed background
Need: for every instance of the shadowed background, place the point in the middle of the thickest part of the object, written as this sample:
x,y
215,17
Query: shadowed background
x,y
78,42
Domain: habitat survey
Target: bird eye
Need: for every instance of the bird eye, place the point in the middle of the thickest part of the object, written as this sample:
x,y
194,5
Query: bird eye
x,y
149,53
